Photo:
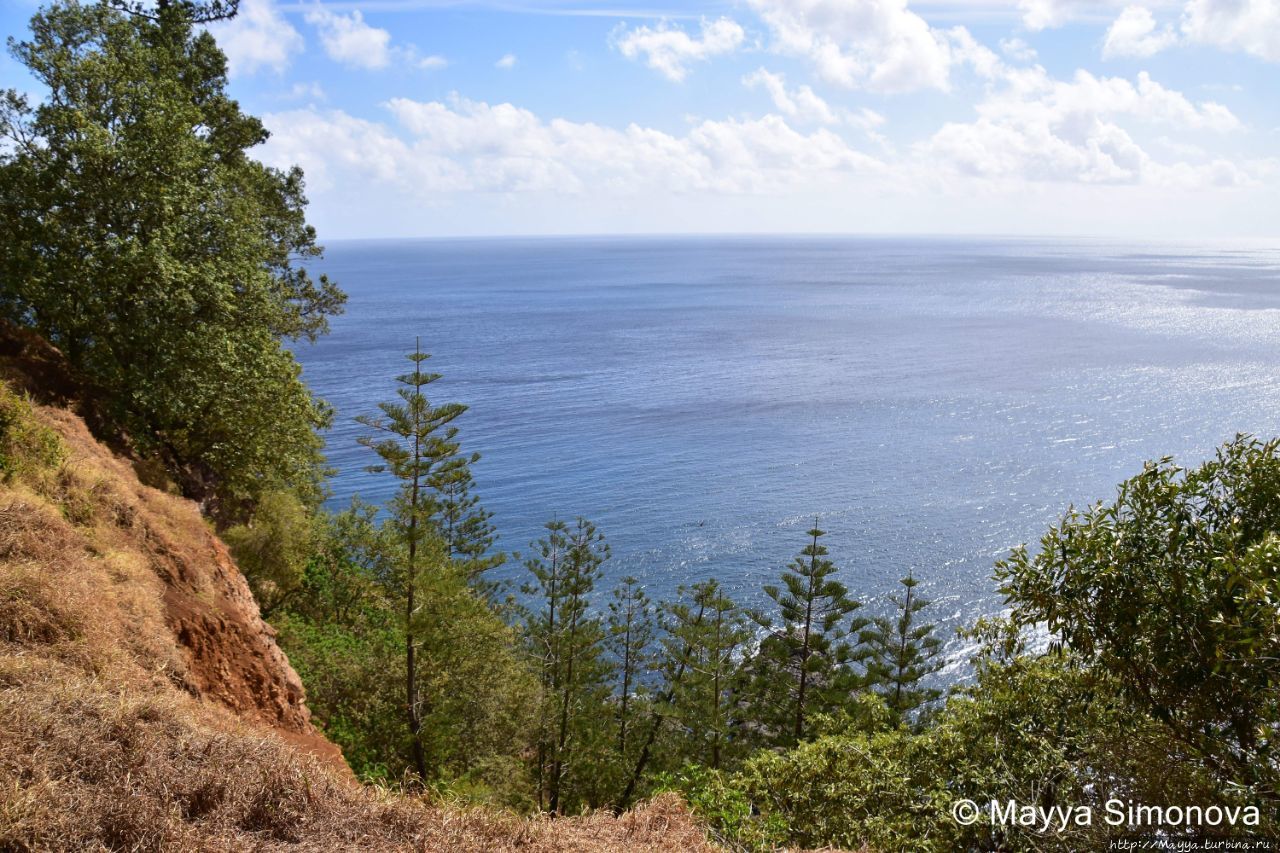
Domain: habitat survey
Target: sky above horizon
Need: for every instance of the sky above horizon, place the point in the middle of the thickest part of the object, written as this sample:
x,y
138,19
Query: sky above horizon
x,y
415,118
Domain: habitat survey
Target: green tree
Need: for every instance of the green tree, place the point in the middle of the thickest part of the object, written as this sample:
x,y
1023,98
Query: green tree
x,y
542,626
1039,730
897,654
345,633
203,12
273,547
466,526
567,638
342,633
138,236
714,631
1173,587
479,696
681,621
802,665
414,439
629,638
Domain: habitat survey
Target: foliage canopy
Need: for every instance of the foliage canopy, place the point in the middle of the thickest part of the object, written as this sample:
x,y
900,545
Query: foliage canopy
x,y
139,236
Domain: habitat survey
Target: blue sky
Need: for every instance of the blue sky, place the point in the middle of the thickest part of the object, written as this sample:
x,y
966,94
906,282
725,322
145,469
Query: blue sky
x,y
422,117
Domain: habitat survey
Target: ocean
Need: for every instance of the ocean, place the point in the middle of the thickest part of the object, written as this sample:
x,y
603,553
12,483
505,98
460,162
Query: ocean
x,y
933,402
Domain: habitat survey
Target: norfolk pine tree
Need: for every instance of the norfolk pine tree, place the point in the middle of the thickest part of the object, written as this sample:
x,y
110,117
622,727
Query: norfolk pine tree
x,y
898,653
467,528
414,439
630,637
801,666
541,625
714,640
676,656
570,640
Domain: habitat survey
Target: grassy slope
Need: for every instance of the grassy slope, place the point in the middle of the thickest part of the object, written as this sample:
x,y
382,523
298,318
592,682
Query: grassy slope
x,y
144,705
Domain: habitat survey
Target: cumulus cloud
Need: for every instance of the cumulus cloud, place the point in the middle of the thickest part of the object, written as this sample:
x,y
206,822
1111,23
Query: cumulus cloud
x,y
1134,34
1038,128
471,146
965,50
1017,50
431,63
258,37
1245,26
878,45
331,144
1040,15
801,103
867,119
1044,14
305,91
669,50
507,62
1250,26
349,40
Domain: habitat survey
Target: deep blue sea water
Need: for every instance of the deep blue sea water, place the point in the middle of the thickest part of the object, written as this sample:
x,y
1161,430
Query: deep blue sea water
x,y
934,401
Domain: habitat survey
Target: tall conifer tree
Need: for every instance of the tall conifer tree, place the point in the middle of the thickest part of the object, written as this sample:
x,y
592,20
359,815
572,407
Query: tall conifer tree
x,y
414,439
569,639
703,700
630,637
899,653
801,667
467,528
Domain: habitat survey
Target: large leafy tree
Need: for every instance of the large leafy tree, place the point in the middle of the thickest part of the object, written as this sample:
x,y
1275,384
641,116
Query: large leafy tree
x,y
200,11
139,236
1174,589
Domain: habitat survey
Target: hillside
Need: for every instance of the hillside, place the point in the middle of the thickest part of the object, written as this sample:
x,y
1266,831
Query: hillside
x,y
144,703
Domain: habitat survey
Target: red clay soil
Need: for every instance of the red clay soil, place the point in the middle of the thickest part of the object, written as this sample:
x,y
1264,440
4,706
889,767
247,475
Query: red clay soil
x,y
230,654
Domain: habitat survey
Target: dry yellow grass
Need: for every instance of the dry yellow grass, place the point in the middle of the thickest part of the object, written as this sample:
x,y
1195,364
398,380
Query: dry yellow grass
x,y
144,704
86,767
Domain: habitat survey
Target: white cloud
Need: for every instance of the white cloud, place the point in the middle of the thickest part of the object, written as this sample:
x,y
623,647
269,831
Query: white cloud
x,y
1246,26
1043,14
465,146
800,103
1017,50
1183,149
1039,129
874,44
865,118
1039,155
258,37
508,61
331,145
669,50
965,50
1134,34
1040,15
1250,26
349,40
431,63
306,91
